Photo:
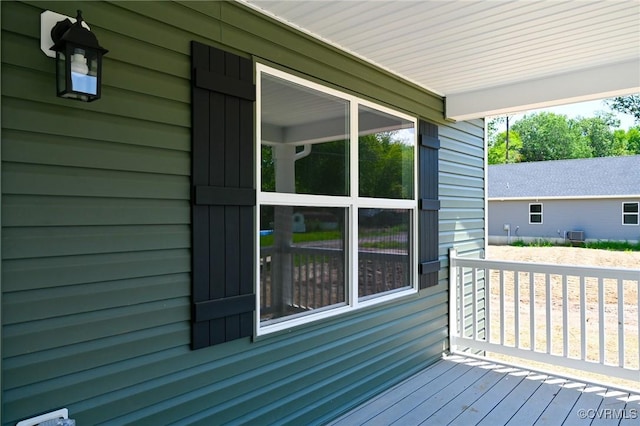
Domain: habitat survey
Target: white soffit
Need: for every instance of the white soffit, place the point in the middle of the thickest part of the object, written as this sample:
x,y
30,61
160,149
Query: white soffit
x,y
485,57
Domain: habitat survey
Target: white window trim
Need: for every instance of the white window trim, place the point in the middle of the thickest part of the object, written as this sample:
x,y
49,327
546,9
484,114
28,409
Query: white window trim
x,y
540,213
635,214
351,202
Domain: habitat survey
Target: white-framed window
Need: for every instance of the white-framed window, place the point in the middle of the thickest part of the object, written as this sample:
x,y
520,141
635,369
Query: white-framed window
x,y
631,213
535,213
336,202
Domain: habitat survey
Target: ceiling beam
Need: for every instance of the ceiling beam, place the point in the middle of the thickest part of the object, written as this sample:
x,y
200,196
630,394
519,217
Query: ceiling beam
x,y
601,82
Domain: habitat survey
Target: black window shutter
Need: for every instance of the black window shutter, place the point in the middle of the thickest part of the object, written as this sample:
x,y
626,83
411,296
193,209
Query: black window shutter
x,y
428,204
223,196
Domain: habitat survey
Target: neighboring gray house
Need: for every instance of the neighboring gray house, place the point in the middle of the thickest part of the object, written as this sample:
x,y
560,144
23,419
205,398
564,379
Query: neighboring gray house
x,y
598,196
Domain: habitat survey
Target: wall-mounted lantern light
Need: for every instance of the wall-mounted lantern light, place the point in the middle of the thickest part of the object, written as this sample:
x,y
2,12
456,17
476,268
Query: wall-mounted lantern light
x,y
78,58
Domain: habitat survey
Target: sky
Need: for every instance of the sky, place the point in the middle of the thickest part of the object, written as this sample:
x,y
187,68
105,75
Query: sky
x,y
583,109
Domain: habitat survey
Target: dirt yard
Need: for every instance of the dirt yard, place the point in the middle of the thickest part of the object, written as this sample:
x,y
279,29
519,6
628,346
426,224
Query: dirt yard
x,y
568,256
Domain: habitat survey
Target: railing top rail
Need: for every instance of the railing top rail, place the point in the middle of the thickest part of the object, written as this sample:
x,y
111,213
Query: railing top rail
x,y
329,250
548,268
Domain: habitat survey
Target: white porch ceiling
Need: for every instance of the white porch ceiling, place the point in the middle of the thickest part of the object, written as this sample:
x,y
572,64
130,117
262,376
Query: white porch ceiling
x,y
485,57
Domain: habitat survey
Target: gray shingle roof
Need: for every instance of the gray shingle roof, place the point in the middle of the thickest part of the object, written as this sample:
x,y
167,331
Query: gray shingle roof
x,y
606,176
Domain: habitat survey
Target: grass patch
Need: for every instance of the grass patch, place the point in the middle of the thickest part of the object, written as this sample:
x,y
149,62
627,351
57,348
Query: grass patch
x,y
599,245
536,243
613,245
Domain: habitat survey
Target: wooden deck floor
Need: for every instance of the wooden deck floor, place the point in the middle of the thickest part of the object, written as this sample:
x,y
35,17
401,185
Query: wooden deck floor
x,y
466,391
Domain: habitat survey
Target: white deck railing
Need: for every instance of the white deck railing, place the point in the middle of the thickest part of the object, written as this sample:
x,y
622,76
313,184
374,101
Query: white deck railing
x,y
585,318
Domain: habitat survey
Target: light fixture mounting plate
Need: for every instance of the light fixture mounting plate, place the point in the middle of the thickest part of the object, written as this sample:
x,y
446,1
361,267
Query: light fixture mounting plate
x,y
48,20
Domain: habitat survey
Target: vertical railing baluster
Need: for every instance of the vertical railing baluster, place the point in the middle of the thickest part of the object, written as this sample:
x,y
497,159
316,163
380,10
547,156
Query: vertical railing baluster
x,y
364,277
474,302
314,280
601,327
502,307
565,316
383,276
305,278
621,323
548,306
295,283
487,304
317,265
323,280
583,319
333,263
532,311
638,327
516,310
453,300
298,282
462,307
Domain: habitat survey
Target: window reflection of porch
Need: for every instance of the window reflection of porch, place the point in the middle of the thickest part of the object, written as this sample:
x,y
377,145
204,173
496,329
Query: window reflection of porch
x,y
317,280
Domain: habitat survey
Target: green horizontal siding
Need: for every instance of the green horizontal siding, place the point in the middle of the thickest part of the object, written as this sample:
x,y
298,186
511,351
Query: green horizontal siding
x,y
96,233
462,214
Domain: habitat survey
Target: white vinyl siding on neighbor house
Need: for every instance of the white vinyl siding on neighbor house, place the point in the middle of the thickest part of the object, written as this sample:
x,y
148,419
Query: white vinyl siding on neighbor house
x,y
598,196
630,213
317,167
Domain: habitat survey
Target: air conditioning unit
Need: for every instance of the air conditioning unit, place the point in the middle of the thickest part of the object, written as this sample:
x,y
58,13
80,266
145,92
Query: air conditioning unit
x,y
575,236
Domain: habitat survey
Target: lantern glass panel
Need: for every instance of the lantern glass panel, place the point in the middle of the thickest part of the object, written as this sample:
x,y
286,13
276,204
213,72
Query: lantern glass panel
x,y
82,80
61,74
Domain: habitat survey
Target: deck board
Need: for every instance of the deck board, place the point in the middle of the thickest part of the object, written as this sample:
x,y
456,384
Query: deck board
x,y
490,399
632,411
458,405
469,391
538,402
408,404
379,404
513,402
614,402
423,411
560,407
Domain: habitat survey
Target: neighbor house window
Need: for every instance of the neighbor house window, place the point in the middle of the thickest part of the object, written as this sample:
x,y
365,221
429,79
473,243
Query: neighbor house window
x,y
630,213
336,201
535,213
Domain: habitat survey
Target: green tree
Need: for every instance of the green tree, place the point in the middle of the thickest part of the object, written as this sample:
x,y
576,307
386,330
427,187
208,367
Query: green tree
x,y
627,105
386,166
492,129
597,134
547,136
497,153
620,144
633,140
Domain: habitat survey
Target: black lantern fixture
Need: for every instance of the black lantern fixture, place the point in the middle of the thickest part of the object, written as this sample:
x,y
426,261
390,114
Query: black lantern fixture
x,y
78,60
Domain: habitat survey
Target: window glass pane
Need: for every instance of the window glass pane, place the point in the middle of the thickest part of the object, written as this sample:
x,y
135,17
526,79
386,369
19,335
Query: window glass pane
x,y
386,146
302,260
536,218
383,250
305,133
630,219
630,207
535,208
